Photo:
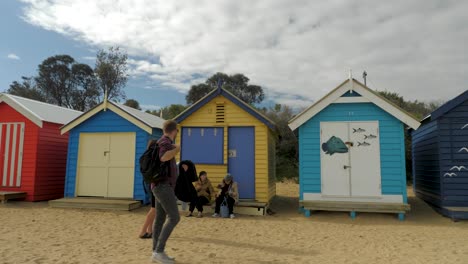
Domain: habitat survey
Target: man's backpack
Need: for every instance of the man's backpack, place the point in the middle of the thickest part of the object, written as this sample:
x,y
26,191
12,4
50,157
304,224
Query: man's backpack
x,y
151,166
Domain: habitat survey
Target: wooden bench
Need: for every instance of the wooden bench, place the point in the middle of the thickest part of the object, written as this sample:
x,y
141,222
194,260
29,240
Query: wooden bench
x,y
353,207
245,207
5,196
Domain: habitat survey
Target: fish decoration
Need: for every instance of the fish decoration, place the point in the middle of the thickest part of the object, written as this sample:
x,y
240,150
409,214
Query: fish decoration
x,y
334,145
358,130
364,144
370,136
451,174
463,149
459,168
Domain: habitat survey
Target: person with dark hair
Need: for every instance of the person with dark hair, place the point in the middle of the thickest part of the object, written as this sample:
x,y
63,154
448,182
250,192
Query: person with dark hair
x,y
227,190
167,212
204,193
184,189
147,229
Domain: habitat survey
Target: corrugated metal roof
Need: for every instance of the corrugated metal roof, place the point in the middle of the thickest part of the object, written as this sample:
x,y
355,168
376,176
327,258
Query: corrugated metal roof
x,y
149,119
42,111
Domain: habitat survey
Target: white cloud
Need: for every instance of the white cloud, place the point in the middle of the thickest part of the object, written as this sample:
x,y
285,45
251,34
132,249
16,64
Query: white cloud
x,y
300,48
13,56
89,58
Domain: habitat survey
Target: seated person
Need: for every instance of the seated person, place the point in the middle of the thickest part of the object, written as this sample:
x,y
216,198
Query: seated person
x,y
228,189
204,192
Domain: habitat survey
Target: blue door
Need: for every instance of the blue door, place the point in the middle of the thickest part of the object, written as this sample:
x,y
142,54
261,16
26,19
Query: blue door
x,y
241,161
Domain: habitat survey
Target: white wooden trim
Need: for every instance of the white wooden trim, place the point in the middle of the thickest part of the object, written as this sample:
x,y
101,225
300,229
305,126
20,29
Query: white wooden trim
x,y
13,155
21,109
382,199
20,156
103,106
1,134
351,99
6,152
364,92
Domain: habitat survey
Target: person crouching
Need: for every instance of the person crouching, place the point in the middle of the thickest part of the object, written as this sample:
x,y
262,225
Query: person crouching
x,y
228,190
204,193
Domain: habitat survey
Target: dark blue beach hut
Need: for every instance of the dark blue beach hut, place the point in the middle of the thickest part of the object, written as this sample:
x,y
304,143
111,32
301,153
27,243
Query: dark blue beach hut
x,y
440,158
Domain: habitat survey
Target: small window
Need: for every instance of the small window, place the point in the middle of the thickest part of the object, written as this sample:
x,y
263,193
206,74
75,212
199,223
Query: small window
x,y
203,145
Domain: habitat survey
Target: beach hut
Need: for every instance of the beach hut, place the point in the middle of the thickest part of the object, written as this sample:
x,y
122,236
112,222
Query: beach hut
x,y
222,134
104,150
352,152
440,158
32,150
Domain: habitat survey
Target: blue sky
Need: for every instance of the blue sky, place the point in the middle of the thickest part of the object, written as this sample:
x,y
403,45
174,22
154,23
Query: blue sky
x,y
32,44
297,51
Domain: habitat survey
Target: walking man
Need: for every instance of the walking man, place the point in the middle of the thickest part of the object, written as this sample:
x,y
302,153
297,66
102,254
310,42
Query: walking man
x,y
167,212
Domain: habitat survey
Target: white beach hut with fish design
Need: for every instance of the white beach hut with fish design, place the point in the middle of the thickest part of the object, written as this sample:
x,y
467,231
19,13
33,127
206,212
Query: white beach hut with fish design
x,y
352,152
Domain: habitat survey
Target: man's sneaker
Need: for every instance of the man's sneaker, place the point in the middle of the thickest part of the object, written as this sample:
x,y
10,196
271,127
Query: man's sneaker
x,y
189,214
199,215
215,215
162,258
232,216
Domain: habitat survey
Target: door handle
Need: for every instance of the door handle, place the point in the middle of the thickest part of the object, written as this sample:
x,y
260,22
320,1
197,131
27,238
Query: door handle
x,y
346,167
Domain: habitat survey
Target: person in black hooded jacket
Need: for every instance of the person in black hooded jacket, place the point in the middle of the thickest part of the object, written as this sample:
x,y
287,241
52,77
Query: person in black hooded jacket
x,y
184,189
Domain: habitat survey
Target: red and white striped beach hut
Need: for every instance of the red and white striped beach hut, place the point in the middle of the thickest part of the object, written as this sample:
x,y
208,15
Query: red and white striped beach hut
x,y
33,153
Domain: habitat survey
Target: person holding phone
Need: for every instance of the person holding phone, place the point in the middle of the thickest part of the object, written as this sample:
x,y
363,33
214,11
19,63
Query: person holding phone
x,y
227,189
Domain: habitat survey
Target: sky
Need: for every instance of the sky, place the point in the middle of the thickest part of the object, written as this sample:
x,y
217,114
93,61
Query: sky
x,y
296,50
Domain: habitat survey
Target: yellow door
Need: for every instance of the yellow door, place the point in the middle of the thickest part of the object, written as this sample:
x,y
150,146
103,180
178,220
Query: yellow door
x,y
121,165
106,163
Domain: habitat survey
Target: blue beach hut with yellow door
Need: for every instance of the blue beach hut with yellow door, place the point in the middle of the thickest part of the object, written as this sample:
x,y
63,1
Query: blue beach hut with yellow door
x,y
352,152
222,134
105,144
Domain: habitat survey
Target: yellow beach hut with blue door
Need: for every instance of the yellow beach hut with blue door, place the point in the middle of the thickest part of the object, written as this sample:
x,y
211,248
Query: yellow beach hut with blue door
x,y
222,134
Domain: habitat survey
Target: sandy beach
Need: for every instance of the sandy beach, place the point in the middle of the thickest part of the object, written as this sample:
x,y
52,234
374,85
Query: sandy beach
x,y
35,233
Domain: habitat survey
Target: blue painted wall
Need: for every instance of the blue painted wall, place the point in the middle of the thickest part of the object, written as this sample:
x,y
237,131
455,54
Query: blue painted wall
x,y
392,147
437,148
106,122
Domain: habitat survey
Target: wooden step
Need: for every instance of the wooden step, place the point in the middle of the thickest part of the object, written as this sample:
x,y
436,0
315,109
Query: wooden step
x,y
243,207
95,203
355,206
5,196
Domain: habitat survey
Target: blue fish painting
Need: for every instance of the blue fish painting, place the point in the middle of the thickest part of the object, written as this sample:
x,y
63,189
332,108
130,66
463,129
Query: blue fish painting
x,y
334,145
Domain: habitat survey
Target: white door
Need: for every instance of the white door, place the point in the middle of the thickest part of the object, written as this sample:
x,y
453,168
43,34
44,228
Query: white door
x,y
365,159
106,163
350,159
334,157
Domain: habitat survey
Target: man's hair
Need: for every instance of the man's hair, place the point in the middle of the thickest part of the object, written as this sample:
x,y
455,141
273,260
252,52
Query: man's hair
x,y
169,126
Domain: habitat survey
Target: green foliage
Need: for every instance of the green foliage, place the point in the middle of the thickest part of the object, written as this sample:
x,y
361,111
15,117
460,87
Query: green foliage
x,y
169,112
64,82
238,84
287,145
419,110
26,89
111,72
133,104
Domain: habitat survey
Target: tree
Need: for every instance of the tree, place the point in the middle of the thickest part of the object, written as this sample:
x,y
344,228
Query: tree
x,y
84,93
133,104
169,112
66,83
238,84
111,72
55,78
286,146
26,89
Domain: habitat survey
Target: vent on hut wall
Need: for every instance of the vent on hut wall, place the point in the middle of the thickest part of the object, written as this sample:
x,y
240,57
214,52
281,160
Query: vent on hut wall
x,y
220,112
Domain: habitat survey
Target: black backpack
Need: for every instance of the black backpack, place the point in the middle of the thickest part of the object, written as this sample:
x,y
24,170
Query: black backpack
x,y
151,166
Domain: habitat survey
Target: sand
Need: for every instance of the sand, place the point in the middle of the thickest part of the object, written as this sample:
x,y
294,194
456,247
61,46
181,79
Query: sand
x,y
34,233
